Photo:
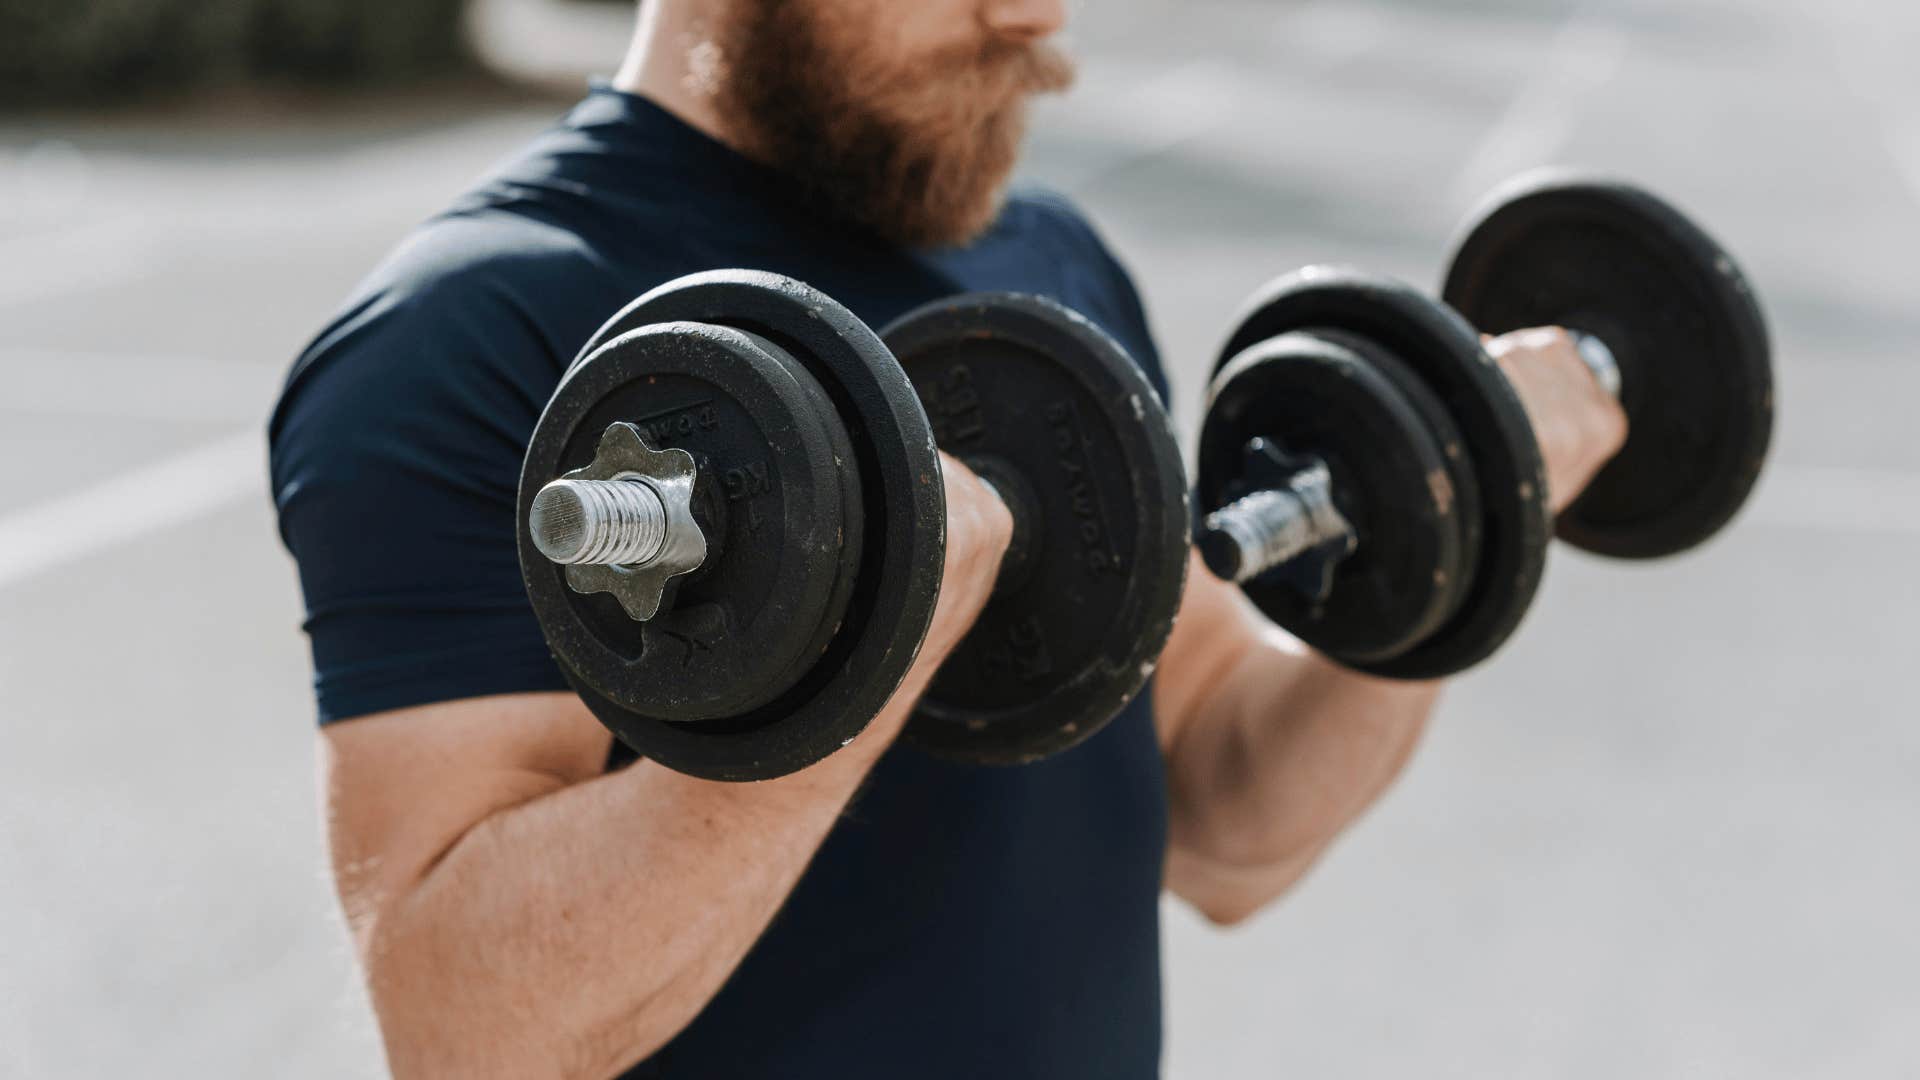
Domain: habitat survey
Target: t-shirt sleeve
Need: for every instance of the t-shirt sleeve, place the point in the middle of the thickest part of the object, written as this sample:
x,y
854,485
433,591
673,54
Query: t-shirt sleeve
x,y
396,454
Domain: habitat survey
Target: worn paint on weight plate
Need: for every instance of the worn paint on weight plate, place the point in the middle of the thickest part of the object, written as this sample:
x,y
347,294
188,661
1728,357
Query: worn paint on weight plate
x,y
1097,550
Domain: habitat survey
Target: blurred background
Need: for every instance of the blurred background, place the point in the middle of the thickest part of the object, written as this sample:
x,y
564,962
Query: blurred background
x,y
1672,831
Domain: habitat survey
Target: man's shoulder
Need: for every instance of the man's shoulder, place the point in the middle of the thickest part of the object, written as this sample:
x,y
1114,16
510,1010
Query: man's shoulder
x,y
1091,278
1051,219
469,304
464,255
476,277
1032,208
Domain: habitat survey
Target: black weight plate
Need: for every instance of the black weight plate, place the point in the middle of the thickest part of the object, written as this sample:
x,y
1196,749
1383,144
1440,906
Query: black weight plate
x,y
892,591
1444,352
781,512
1332,396
1468,511
1607,258
1057,416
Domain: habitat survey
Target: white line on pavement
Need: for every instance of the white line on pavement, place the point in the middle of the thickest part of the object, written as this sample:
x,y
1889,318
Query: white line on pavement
x,y
1538,122
143,500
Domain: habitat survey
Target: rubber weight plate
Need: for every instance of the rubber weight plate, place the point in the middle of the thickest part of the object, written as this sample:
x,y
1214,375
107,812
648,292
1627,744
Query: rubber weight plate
x,y
1055,415
1384,438
781,516
1444,353
850,602
1696,372
1468,511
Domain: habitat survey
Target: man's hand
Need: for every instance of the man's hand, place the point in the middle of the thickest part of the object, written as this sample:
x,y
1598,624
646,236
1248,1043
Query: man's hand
x,y
1579,425
979,528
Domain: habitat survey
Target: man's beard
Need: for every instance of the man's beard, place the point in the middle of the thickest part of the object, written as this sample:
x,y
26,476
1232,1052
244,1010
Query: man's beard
x,y
919,155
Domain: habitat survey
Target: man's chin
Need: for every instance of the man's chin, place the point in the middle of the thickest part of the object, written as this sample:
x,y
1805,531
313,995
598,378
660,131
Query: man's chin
x,y
955,193
951,229
943,219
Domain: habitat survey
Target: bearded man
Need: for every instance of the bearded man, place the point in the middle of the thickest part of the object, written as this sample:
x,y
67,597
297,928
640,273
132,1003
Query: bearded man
x,y
527,901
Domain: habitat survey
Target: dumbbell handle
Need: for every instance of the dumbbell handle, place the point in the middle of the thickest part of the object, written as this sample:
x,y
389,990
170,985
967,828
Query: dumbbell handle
x,y
1259,531
1599,359
1016,564
626,522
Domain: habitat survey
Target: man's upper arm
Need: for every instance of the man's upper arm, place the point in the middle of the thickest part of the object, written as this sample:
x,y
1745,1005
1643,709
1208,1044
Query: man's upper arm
x,y
396,452
396,460
1221,657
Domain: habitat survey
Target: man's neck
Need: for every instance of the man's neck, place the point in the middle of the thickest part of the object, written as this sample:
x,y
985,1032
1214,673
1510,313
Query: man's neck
x,y
675,62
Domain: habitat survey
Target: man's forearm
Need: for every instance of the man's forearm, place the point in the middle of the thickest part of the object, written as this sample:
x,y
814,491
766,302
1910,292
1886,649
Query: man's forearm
x,y
1285,752
522,914
573,934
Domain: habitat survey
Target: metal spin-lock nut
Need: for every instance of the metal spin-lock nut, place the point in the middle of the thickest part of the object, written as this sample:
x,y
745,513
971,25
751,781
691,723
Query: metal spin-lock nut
x,y
623,524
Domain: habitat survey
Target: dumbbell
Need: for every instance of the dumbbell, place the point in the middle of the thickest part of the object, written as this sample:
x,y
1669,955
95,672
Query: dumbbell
x,y
731,523
1369,477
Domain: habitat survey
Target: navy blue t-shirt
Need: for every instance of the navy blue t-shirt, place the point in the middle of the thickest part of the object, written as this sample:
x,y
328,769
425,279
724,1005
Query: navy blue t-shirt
x,y
959,921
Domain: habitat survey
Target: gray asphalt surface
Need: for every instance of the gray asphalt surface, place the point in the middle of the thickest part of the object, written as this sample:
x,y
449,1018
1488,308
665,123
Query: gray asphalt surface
x,y
1670,832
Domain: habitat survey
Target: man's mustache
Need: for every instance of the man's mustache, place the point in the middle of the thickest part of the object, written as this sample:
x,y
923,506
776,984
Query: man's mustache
x,y
1040,68
989,75
993,70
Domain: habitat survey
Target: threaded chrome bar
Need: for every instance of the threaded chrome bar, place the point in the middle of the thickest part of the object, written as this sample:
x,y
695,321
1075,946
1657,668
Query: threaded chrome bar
x,y
1261,530
599,522
1254,534
1599,360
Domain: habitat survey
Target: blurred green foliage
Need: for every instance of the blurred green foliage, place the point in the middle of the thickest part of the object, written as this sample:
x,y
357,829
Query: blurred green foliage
x,y
106,50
